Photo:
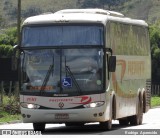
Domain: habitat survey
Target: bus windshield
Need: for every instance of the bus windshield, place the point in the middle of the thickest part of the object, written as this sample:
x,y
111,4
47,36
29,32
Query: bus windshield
x,y
62,35
68,71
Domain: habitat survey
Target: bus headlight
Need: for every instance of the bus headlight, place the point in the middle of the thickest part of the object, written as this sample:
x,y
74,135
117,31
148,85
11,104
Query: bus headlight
x,y
93,105
30,105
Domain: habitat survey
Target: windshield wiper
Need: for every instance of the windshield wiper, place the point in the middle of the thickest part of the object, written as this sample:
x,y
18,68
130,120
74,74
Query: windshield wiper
x,y
73,78
46,78
50,70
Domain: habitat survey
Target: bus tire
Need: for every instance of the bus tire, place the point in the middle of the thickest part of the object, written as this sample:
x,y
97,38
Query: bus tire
x,y
39,126
138,118
144,103
124,121
107,125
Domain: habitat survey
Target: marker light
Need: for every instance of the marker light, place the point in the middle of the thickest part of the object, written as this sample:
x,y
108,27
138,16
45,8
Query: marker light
x,y
93,105
30,106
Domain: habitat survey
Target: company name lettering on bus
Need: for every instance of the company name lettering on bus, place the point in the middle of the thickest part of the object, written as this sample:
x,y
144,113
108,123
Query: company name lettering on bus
x,y
60,94
31,99
47,88
60,100
136,67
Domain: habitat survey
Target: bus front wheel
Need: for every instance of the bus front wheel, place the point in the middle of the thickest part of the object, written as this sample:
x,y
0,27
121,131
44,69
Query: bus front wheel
x,y
106,125
39,126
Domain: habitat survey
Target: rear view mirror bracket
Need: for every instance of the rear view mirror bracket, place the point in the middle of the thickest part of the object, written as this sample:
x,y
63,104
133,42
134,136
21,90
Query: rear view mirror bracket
x,y
14,58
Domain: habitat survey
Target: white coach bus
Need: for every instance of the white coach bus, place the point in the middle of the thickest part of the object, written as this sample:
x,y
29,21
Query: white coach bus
x,y
80,66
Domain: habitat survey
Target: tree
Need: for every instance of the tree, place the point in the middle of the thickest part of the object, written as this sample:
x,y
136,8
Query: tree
x,y
101,3
9,37
155,51
2,21
110,3
89,4
31,11
6,51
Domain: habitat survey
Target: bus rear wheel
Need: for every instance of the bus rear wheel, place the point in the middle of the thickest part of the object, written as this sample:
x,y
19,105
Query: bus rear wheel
x,y
138,118
39,126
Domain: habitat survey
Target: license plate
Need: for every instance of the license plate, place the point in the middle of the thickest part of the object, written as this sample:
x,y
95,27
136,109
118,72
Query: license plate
x,y
62,116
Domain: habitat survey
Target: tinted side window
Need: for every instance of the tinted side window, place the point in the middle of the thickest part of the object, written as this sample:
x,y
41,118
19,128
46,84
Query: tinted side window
x,y
126,39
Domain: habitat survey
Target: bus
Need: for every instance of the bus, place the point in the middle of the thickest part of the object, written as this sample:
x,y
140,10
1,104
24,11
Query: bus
x,y
81,66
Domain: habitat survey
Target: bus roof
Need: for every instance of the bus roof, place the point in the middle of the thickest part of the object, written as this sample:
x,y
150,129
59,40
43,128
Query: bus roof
x,y
82,16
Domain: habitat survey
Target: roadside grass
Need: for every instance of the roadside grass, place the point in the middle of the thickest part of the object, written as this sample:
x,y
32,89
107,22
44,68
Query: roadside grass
x,y
9,110
155,101
7,117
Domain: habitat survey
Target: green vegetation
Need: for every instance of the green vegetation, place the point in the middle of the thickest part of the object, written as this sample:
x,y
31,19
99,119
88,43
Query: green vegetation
x,y
8,38
6,117
155,101
155,51
10,109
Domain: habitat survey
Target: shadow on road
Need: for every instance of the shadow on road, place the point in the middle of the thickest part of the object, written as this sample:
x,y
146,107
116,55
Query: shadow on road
x,y
93,129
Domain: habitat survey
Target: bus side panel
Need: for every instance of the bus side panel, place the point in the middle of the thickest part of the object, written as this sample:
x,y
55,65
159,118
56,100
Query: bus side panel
x,y
128,80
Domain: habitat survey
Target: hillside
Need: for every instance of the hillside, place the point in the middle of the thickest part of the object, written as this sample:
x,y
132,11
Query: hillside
x,y
148,10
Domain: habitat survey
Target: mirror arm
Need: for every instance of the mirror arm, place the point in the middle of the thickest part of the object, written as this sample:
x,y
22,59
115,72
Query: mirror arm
x,y
108,50
14,59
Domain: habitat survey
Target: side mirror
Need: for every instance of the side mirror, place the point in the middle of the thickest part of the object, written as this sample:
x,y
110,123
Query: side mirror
x,y
112,64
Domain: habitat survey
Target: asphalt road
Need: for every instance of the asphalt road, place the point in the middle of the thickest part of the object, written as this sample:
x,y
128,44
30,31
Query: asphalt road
x,y
151,124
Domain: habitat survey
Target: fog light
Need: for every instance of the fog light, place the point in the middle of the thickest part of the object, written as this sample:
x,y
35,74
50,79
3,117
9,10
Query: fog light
x,y
28,116
95,115
23,115
100,114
